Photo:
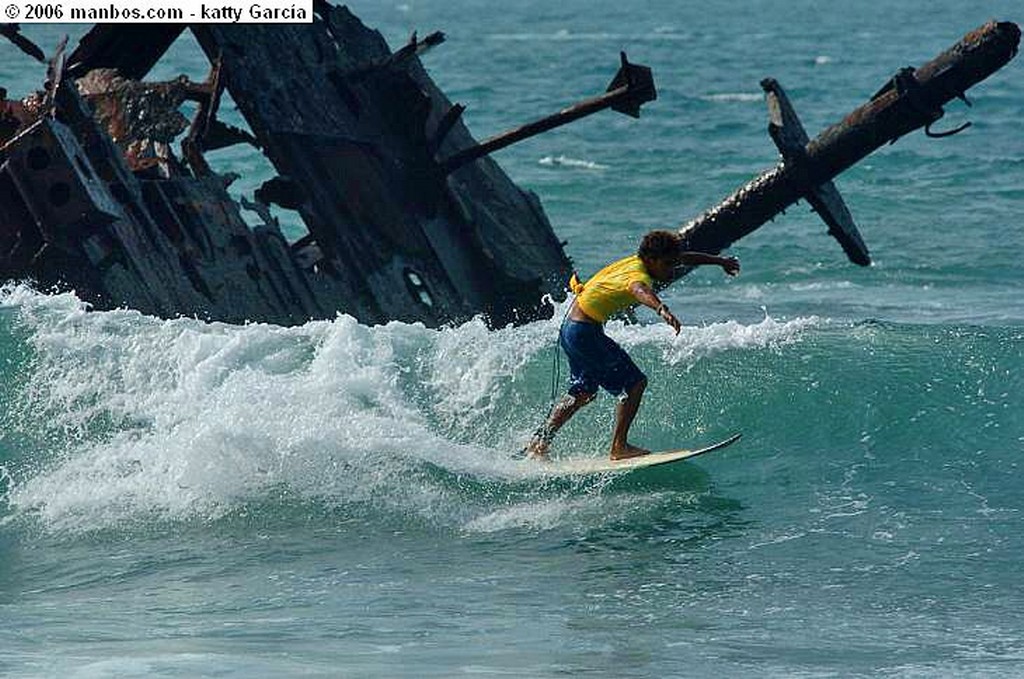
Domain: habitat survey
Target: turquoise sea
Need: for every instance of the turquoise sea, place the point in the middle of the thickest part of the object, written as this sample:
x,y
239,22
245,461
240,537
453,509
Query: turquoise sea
x,y
183,499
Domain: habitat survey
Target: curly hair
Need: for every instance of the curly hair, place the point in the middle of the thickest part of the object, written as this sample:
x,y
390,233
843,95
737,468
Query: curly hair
x,y
660,245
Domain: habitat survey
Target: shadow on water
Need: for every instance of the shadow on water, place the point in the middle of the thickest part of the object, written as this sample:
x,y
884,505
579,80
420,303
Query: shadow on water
x,y
676,505
673,502
682,477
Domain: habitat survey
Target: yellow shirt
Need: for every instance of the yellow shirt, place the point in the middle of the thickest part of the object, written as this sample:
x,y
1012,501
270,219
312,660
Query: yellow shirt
x,y
607,292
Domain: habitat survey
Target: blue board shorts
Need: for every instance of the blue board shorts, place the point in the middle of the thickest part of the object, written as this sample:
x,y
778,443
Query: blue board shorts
x,y
595,360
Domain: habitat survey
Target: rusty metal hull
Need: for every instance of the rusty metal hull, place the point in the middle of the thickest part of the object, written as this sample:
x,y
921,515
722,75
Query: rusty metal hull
x,y
348,128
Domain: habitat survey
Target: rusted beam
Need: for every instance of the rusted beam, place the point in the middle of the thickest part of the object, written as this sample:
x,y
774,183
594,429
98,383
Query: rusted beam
x,y
413,48
632,87
131,50
194,144
444,126
55,73
911,100
12,33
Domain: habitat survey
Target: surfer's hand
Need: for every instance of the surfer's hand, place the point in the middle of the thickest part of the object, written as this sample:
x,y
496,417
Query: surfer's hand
x,y
730,265
669,317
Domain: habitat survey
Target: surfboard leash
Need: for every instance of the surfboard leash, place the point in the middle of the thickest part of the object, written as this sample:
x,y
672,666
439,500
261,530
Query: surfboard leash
x,y
556,364
556,370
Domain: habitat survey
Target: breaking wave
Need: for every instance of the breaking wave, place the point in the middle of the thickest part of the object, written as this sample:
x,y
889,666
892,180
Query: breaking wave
x,y
116,417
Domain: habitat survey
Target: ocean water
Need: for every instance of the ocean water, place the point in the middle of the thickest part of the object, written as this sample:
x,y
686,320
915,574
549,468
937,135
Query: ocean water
x,y
183,499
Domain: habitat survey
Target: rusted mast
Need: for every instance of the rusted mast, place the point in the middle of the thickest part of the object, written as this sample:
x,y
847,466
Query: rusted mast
x,y
912,99
631,87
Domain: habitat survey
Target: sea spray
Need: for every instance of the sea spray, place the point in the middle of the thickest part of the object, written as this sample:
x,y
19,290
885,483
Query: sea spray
x,y
181,419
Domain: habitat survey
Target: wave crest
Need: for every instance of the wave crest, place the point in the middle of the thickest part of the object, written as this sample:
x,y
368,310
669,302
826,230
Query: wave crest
x,y
179,419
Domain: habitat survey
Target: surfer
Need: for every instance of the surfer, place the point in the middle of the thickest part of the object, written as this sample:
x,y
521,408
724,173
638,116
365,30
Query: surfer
x,y
595,360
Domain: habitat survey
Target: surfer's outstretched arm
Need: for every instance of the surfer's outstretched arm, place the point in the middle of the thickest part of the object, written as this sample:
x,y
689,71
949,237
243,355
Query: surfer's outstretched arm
x,y
730,265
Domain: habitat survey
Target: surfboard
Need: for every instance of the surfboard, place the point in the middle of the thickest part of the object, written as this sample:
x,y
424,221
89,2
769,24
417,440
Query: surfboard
x,y
605,465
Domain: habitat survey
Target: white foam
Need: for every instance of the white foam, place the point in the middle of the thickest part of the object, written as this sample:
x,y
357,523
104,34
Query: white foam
x,y
694,343
733,97
469,365
179,419
573,163
817,286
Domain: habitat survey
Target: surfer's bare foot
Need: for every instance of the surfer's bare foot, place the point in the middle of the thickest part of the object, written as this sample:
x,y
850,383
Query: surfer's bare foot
x,y
537,450
627,451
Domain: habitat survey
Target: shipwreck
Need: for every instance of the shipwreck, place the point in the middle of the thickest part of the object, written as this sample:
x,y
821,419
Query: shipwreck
x,y
105,187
